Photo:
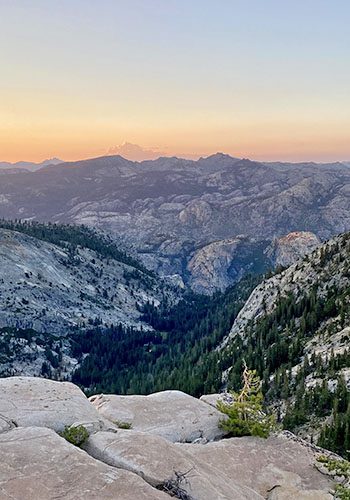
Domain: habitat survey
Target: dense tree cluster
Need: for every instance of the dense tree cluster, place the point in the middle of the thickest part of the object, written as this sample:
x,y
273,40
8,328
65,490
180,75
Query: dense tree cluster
x,y
178,354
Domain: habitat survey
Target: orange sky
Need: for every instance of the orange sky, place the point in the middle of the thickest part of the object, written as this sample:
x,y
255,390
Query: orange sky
x,y
184,78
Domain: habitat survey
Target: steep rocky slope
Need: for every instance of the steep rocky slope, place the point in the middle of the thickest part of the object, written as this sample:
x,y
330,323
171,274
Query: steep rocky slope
x,y
171,210
36,462
60,282
325,267
46,288
294,329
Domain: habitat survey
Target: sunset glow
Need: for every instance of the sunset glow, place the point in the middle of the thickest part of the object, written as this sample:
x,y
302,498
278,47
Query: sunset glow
x,y
264,80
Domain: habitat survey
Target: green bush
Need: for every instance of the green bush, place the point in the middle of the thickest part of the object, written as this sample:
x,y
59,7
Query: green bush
x,y
75,435
123,425
338,469
245,413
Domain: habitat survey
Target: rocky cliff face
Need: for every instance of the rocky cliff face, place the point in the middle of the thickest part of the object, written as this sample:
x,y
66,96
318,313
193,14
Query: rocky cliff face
x,y
286,250
315,270
169,210
149,461
221,263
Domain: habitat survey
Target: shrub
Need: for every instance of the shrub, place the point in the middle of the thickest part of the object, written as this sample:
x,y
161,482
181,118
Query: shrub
x,y
123,425
245,413
76,435
339,469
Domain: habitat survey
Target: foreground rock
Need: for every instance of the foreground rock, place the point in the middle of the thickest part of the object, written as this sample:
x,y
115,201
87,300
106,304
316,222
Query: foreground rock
x,y
141,463
275,468
37,464
174,415
29,401
239,468
158,462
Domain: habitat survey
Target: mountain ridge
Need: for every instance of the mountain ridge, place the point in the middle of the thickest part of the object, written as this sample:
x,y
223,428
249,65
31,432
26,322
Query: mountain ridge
x,y
168,209
294,329
29,165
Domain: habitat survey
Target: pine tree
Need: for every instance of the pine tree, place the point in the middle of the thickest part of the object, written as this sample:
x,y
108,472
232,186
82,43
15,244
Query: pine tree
x,y
245,414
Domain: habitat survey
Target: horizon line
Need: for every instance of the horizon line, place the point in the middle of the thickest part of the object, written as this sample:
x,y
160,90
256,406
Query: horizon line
x,y
59,161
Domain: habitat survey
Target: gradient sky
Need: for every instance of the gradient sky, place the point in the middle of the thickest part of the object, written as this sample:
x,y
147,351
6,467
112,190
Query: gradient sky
x,y
265,79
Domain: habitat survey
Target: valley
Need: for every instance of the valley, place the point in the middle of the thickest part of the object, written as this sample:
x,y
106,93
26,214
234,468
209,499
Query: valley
x,y
86,302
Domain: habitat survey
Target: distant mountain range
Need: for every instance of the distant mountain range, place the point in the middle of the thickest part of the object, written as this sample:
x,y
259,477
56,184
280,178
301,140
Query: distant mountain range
x,y
207,221
28,165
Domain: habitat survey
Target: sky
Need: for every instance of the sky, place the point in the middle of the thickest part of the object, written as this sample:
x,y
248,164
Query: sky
x,y
263,79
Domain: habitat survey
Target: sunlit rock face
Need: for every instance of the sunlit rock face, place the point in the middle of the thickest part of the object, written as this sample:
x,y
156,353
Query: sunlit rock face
x,y
288,249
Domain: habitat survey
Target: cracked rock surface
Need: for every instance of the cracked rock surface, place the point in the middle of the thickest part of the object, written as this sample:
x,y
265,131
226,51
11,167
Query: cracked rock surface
x,y
141,462
274,468
38,464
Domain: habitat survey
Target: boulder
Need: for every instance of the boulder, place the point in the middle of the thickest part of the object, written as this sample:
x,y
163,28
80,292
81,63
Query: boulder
x,y
276,468
158,461
210,399
30,401
173,415
213,399
37,464
239,468
147,455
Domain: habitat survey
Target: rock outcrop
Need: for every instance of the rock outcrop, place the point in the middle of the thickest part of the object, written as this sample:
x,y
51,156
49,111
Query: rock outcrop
x,y
124,464
30,401
37,464
158,461
173,415
286,250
